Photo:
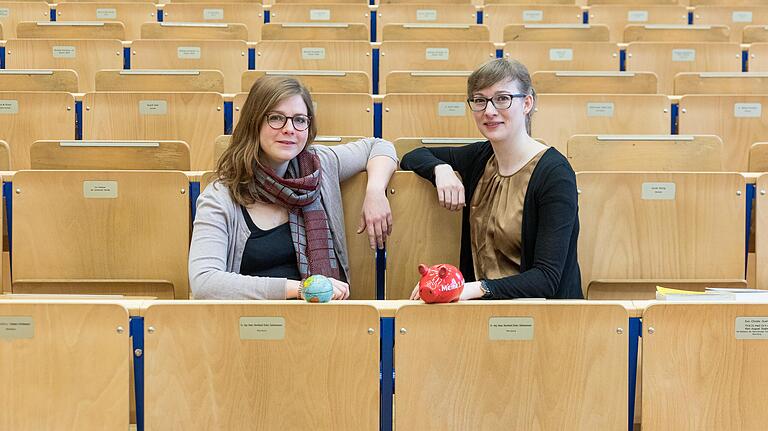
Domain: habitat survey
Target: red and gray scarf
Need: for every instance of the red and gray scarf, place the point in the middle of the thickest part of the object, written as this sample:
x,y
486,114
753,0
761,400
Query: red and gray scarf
x,y
299,193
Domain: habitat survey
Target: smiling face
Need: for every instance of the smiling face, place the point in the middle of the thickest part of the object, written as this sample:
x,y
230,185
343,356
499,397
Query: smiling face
x,y
279,146
497,124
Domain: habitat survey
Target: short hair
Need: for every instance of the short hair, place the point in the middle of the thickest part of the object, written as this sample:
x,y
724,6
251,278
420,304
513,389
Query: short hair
x,y
499,70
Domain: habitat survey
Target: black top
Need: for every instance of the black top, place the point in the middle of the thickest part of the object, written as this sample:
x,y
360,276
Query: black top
x,y
548,266
269,253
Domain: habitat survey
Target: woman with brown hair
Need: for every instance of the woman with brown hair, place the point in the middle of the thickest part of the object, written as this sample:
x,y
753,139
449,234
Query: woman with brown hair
x,y
274,215
520,231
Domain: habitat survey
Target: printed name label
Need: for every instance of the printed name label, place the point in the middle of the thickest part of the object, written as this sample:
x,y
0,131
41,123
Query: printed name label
x,y
451,109
741,16
658,191
262,328
637,16
213,14
153,107
510,328
426,15
560,54
437,54
313,53
600,109
683,55
16,327
64,52
533,15
100,189
747,110
752,328
4,12
189,52
106,13
9,107
320,14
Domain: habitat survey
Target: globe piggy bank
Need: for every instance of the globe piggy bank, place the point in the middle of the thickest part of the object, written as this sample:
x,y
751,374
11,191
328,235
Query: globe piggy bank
x,y
440,283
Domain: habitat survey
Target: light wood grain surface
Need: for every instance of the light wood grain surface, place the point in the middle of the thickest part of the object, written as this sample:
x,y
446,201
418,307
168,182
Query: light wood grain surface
x,y
677,33
565,55
721,83
497,16
331,12
595,82
64,30
315,31
761,232
161,80
389,13
434,115
317,81
39,80
249,14
362,259
571,375
22,11
304,55
227,31
616,17
555,32
724,14
132,15
99,155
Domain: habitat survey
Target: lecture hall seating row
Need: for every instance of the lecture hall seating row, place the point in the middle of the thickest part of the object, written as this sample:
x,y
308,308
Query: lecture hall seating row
x,y
697,237
482,365
495,16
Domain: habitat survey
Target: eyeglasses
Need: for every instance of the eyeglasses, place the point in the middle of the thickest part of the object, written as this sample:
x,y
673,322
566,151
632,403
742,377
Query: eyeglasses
x,y
500,101
277,121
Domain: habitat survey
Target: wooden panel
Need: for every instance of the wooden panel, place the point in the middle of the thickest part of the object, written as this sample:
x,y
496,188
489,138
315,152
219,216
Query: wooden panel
x,y
105,155
197,31
230,57
160,80
754,33
721,83
432,56
667,59
761,233
497,16
582,56
434,115
595,82
315,31
758,57
5,160
632,2
40,116
17,12
574,365
555,32
142,234
38,80
75,368
696,374
406,145
737,119
132,15
365,2
67,30
436,32
249,14
646,289
335,114
362,259
421,1
758,157
421,13
676,33
85,57
314,55
560,116
198,365
319,81
645,153
735,17
726,2
427,233
531,2
149,288
616,17
695,232
195,118
349,13
427,82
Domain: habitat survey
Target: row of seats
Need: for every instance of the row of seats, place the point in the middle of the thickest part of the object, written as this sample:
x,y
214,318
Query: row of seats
x,y
198,119
231,365
234,58
132,232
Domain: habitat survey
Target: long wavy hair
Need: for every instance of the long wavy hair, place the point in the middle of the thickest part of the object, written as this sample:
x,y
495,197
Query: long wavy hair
x,y
239,161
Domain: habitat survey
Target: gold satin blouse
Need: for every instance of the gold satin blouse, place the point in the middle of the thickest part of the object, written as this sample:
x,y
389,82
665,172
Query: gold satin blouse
x,y
496,220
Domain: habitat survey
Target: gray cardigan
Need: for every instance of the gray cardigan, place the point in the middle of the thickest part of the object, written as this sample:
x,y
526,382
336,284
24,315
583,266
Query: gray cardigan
x,y
220,231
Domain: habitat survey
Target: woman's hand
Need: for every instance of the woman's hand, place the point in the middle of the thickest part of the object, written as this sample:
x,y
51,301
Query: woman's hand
x,y
415,296
471,290
376,218
340,289
450,190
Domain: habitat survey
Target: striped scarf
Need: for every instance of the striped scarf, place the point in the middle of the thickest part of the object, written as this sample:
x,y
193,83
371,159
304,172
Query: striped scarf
x,y
299,193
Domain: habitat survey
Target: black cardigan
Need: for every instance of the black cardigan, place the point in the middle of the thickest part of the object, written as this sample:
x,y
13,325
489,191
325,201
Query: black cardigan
x,y
548,267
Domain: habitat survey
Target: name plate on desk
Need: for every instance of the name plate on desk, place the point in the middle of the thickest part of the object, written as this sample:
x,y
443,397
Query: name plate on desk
x,y
510,328
100,189
262,328
9,107
106,13
752,328
658,191
437,54
451,109
16,328
313,53
426,15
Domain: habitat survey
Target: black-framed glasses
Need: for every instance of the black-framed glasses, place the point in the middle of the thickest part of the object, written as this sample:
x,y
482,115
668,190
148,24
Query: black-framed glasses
x,y
500,101
277,121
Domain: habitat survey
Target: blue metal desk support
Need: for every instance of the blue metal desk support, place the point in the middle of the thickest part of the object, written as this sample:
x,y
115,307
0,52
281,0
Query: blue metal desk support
x,y
751,195
8,195
635,332
194,193
387,389
375,70
137,336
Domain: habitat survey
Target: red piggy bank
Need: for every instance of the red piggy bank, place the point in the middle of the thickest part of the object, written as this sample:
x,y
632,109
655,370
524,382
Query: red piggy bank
x,y
440,283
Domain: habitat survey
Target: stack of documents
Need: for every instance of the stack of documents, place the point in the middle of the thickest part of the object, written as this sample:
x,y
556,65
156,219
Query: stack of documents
x,y
712,294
